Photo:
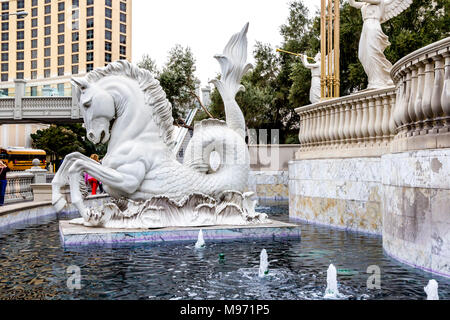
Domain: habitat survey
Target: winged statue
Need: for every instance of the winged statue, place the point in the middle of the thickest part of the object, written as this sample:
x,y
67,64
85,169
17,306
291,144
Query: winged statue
x,y
373,41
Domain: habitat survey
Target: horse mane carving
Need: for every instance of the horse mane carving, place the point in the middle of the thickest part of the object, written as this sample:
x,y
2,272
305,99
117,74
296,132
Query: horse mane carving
x,y
155,97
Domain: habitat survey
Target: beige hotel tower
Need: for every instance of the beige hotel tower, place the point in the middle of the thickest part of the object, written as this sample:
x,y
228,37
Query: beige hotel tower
x,y
56,40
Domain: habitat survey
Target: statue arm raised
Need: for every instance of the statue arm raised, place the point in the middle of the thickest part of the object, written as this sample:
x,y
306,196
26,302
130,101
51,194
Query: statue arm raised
x,y
357,5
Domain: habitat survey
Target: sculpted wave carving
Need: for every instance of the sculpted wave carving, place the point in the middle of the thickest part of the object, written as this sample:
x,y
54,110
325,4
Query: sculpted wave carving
x,y
124,106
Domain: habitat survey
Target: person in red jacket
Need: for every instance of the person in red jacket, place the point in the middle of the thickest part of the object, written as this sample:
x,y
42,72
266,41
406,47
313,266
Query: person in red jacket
x,y
91,180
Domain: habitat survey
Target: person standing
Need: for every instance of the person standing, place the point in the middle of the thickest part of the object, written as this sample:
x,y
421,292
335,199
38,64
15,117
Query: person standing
x,y
91,180
3,182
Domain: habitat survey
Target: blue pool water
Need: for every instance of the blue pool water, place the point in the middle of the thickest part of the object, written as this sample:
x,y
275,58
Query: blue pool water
x,y
34,266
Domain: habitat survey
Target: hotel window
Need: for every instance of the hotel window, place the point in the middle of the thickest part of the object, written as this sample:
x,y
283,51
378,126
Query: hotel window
x,y
108,3
5,36
108,57
90,23
5,56
47,41
47,52
75,36
20,55
123,17
61,6
34,22
61,61
89,67
47,30
34,43
60,86
60,49
61,17
5,26
34,3
5,6
47,73
75,47
123,28
33,92
123,58
20,4
108,24
33,54
90,45
108,35
75,58
123,39
74,69
5,67
123,6
90,56
108,46
46,63
20,35
75,3
123,50
33,64
90,12
20,24
47,9
89,2
60,39
19,75
34,12
5,46
61,28
4,77
20,45
61,71
108,13
19,65
90,34
34,33
47,20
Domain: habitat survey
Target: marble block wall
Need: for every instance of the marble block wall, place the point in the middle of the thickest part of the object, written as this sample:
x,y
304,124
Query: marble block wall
x,y
416,208
270,187
343,193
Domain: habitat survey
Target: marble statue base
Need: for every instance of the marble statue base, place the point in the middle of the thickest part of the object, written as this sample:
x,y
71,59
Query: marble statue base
x,y
78,235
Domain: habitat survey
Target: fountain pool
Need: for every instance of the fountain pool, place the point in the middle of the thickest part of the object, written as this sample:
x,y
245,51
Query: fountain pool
x,y
34,266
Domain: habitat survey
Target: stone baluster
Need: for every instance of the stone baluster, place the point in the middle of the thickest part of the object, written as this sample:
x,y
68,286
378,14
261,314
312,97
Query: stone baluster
x,y
371,122
315,120
436,95
353,121
347,120
322,126
419,96
412,96
406,120
427,92
400,92
310,126
341,123
332,123
392,126
301,133
445,98
337,117
378,118
358,121
326,136
365,121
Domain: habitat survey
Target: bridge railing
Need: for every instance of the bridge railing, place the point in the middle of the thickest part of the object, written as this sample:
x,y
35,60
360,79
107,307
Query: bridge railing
x,y
18,188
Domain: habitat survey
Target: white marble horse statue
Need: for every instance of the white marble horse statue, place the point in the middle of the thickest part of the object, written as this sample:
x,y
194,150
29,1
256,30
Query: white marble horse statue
x,y
125,107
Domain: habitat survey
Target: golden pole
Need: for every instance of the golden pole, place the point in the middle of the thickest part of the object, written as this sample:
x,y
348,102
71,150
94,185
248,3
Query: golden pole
x,y
323,80
337,27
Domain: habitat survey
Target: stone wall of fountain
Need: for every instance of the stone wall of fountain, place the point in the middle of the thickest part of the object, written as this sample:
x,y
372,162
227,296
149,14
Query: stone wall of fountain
x,y
379,161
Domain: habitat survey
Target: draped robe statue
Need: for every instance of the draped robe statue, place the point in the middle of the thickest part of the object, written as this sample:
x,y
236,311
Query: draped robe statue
x,y
373,41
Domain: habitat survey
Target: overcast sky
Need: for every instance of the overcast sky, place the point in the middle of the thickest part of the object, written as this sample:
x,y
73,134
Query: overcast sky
x,y
205,26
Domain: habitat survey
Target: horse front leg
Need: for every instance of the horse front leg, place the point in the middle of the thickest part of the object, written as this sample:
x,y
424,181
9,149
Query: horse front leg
x,y
62,179
125,179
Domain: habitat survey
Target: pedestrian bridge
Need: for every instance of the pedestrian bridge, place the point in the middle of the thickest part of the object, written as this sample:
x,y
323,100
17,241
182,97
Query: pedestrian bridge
x,y
24,109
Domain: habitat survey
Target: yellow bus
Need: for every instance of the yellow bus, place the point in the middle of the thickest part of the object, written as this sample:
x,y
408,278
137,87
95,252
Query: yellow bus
x,y
19,159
